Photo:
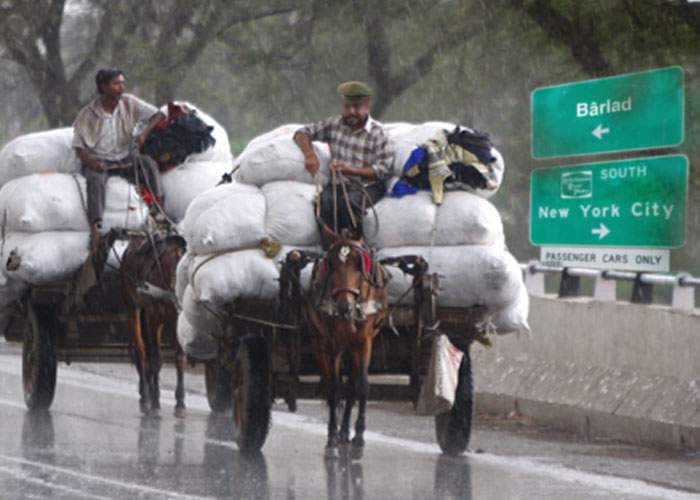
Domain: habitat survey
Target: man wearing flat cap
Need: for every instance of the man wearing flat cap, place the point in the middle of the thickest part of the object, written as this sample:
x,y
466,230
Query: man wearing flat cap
x,y
359,151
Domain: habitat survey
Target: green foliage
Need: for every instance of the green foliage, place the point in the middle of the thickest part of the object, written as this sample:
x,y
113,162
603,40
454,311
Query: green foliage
x,y
257,65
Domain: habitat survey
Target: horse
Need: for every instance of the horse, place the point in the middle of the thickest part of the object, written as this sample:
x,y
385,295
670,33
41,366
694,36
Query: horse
x,y
148,270
345,305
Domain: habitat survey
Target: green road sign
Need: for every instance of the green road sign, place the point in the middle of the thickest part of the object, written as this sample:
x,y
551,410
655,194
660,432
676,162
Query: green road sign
x,y
619,113
628,203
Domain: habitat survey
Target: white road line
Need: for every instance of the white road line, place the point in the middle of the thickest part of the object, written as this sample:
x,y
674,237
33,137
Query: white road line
x,y
89,477
24,476
106,385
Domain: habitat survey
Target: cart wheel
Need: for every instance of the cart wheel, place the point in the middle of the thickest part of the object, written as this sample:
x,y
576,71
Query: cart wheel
x,y
217,378
39,356
251,393
453,428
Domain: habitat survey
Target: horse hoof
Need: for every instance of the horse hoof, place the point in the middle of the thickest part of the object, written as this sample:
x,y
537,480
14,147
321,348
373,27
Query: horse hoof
x,y
344,438
180,412
331,453
144,407
356,452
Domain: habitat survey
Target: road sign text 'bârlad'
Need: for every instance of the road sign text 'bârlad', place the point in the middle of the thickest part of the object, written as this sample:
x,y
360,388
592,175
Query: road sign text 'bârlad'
x,y
619,113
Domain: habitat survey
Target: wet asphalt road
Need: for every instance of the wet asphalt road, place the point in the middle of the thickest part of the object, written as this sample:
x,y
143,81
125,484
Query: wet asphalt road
x,y
95,444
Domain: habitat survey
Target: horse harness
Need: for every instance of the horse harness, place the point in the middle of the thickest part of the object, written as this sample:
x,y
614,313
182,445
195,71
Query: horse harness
x,y
373,273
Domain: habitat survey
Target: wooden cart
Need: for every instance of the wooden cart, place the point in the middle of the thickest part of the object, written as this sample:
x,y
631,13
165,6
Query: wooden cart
x,y
52,328
266,354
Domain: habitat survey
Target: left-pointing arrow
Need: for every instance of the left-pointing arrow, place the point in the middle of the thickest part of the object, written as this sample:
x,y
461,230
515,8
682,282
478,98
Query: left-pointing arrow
x,y
599,131
601,231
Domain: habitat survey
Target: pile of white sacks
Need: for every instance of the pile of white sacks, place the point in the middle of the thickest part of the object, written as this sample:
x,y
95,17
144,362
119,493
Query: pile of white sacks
x,y
43,203
271,199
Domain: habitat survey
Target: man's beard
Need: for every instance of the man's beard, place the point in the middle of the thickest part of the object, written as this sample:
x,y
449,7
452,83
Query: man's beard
x,y
354,121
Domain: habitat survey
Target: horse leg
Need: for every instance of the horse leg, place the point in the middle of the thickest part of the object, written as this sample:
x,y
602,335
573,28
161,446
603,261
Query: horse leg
x,y
362,389
140,348
349,400
180,360
333,391
155,330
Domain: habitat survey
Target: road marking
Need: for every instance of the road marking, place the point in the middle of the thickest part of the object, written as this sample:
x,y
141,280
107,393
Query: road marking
x,y
76,378
97,479
24,476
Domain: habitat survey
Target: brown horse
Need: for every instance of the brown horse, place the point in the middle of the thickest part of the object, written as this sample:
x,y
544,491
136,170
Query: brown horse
x,y
345,304
148,270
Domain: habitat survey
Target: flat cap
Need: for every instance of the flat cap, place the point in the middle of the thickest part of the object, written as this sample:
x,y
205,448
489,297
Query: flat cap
x,y
354,92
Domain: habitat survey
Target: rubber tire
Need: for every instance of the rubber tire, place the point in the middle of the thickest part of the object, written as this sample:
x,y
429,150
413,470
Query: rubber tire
x,y
252,399
218,381
39,364
453,428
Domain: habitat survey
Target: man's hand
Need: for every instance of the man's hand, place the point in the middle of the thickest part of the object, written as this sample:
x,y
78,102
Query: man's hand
x,y
97,166
311,163
341,167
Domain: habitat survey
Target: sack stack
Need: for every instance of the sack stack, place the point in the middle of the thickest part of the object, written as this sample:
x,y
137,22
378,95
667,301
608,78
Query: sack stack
x,y
237,234
43,201
228,229
462,239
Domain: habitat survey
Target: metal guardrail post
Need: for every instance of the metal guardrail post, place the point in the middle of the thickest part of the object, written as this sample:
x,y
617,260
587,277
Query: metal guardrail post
x,y
569,285
642,292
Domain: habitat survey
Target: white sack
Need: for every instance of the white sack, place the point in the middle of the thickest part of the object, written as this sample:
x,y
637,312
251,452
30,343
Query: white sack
x,y
279,159
183,183
246,274
228,217
414,220
46,257
467,219
203,319
472,275
290,213
200,345
221,151
52,202
289,128
437,393
182,275
409,220
513,319
47,151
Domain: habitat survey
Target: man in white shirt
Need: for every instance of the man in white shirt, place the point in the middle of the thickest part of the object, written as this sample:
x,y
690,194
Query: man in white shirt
x,y
103,139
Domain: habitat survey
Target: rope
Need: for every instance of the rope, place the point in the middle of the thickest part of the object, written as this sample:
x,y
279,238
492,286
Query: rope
x,y
334,187
264,322
80,193
348,205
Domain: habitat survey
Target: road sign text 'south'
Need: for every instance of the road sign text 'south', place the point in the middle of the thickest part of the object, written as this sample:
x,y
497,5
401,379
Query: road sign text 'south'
x,y
619,113
637,203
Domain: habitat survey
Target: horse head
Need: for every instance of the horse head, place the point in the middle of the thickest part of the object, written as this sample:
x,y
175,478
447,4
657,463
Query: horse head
x,y
349,265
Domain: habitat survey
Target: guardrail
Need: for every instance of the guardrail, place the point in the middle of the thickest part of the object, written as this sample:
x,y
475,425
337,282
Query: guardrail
x,y
605,284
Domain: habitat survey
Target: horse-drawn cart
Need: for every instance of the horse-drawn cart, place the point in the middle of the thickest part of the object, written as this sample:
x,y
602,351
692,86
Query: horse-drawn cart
x,y
58,322
267,354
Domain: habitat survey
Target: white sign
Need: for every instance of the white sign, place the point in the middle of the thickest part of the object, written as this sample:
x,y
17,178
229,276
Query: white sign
x,y
620,259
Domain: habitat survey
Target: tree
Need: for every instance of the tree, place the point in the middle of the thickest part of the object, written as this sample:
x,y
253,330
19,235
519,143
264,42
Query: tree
x,y
31,35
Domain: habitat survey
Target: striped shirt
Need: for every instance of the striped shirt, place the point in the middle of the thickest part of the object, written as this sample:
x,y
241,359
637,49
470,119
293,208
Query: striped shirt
x,y
364,147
